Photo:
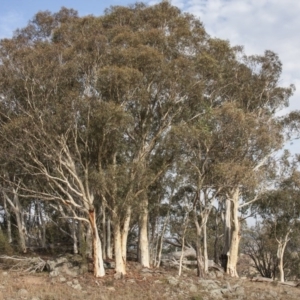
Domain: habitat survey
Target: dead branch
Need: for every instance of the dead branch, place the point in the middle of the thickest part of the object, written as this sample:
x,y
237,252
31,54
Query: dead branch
x,y
25,264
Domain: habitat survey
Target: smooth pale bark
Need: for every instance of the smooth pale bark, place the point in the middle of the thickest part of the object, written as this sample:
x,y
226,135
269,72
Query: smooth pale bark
x,y
160,241
227,234
280,253
205,255
200,265
7,214
124,233
88,243
119,261
97,248
74,236
185,224
104,238
144,257
109,252
17,209
216,243
235,236
42,224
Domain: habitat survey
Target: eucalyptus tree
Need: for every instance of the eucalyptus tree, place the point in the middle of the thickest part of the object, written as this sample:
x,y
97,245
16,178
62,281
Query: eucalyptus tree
x,y
280,207
88,105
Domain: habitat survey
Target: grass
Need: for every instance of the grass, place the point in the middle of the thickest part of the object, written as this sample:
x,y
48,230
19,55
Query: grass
x,y
134,286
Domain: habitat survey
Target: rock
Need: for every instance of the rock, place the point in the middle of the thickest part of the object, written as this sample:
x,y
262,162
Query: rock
x,y
240,291
212,275
146,270
118,276
22,293
62,279
219,274
193,288
172,280
209,284
4,273
109,264
77,287
71,265
216,294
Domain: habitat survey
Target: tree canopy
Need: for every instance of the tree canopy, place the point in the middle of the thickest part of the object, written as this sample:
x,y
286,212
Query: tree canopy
x,y
103,117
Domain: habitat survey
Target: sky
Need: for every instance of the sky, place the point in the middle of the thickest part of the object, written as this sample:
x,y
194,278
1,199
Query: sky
x,y
258,25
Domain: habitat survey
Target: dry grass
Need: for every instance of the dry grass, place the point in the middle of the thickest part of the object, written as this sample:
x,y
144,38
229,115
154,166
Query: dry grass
x,y
135,285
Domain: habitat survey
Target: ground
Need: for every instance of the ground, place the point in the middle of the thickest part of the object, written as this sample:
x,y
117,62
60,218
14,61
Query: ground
x,y
139,283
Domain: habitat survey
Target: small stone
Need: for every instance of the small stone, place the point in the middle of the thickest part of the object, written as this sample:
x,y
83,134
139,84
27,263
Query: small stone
x,y
118,276
212,275
62,279
111,288
193,288
77,287
22,293
54,273
69,283
173,281
4,273
146,270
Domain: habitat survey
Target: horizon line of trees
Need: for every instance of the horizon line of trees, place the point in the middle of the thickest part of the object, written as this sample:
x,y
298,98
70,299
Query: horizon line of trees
x,y
137,128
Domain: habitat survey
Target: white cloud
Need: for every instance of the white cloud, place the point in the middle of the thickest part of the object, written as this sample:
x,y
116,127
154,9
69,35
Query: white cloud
x,y
256,25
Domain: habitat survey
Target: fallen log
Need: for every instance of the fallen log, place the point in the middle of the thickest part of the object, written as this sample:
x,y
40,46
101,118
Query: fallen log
x,y
264,279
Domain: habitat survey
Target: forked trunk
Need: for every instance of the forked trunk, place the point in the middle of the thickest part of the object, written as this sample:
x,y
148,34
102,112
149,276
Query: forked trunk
x,y
97,248
143,236
280,253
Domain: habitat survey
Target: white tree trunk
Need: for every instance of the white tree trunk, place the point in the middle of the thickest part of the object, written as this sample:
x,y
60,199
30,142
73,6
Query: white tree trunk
x,y
160,241
120,263
144,258
235,237
205,255
16,207
97,248
280,253
7,213
42,225
74,236
124,233
227,234
109,252
104,239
